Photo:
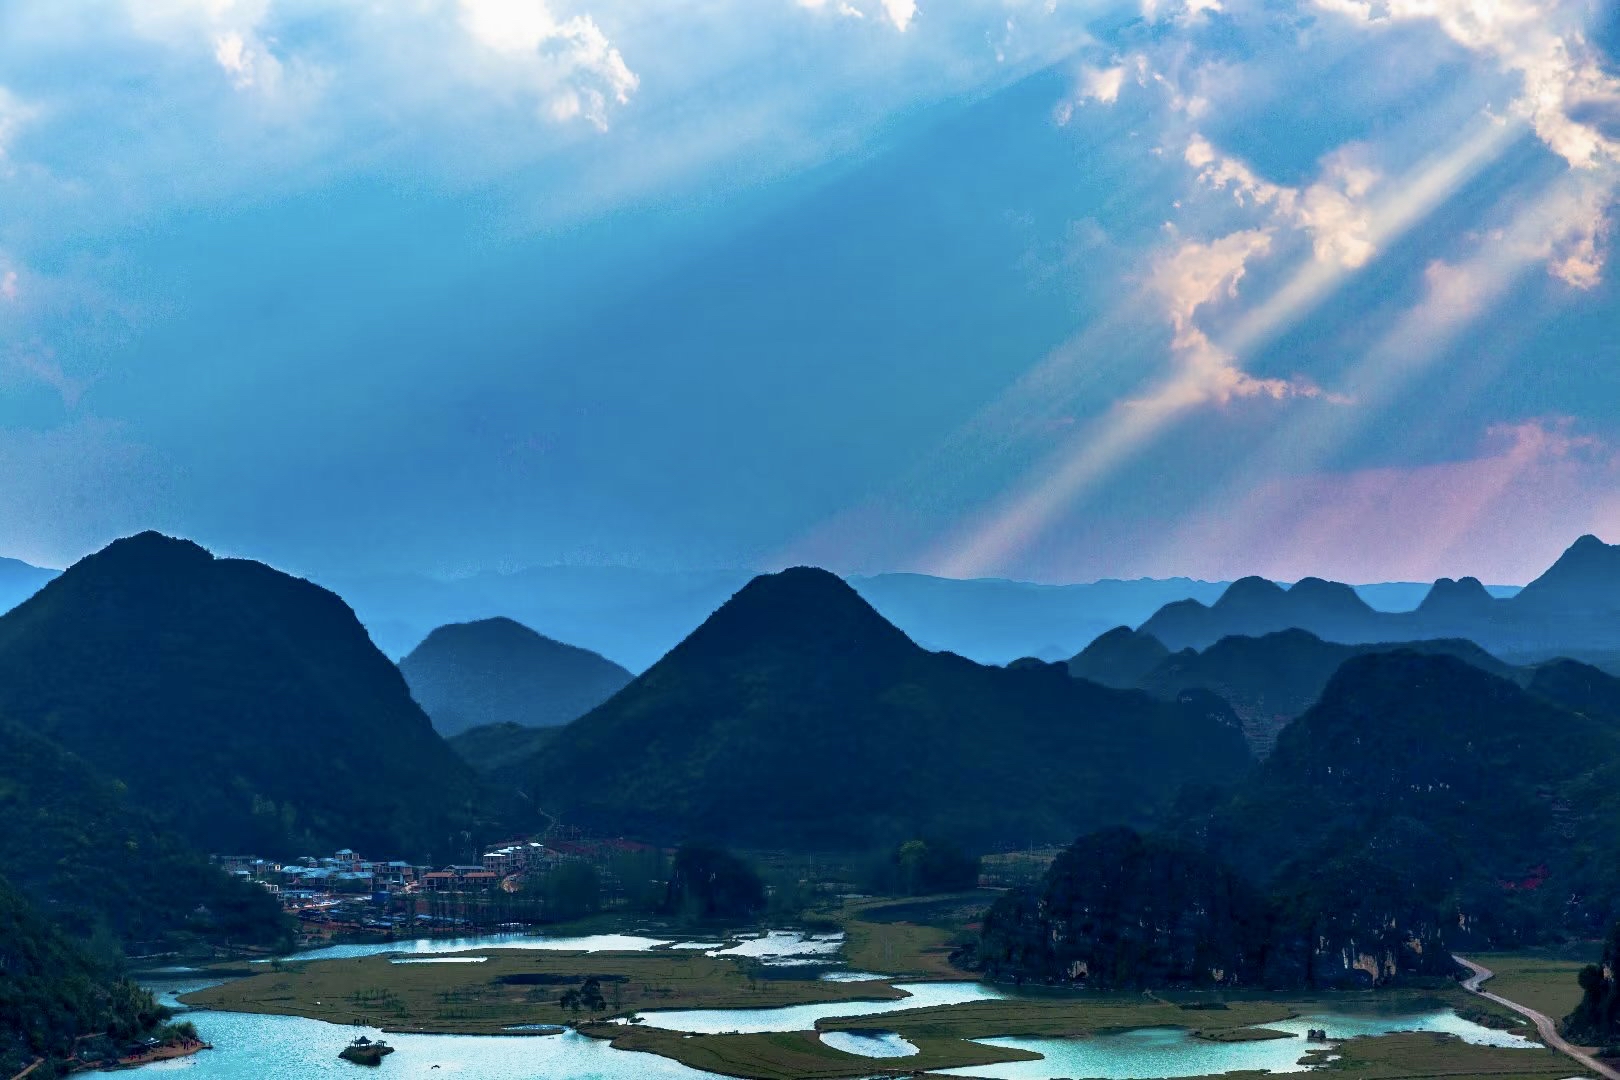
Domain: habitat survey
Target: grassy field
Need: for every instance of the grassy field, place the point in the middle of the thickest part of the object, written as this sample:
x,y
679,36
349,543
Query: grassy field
x,y
909,939
513,987
797,1055
1068,1016
1426,1054
1544,981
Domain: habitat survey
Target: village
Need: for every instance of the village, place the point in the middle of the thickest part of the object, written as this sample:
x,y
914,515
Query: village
x,y
517,882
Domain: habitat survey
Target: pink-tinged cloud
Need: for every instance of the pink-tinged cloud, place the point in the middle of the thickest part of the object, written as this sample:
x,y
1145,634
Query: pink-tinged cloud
x,y
1502,516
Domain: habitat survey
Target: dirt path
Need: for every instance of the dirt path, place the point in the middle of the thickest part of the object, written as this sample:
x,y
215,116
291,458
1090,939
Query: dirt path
x,y
1544,1024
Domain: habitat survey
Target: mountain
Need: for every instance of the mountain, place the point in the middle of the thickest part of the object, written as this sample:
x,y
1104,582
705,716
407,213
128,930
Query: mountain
x,y
635,615
497,746
797,716
247,706
1574,608
497,671
52,992
102,867
19,581
1489,803
1120,658
1267,680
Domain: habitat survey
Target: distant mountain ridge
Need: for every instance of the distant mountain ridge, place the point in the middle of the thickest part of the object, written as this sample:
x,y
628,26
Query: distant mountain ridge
x,y
797,716
498,671
1268,680
1575,605
246,706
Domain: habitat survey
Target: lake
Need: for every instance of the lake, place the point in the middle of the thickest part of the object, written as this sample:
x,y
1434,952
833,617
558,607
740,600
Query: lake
x,y
250,1047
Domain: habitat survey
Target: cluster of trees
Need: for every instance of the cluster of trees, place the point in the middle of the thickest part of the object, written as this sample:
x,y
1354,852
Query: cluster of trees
x,y
921,867
1596,1020
707,882
1118,910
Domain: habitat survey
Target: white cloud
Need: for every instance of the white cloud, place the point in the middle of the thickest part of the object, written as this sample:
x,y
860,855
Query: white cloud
x,y
1566,88
1197,274
1333,210
8,286
14,114
569,63
897,13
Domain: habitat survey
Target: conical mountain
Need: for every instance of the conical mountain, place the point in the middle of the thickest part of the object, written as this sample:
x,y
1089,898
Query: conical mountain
x,y
247,706
498,671
1119,658
796,716
1585,576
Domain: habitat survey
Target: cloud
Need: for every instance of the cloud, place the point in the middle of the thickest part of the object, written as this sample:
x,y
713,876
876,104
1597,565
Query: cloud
x,y
569,63
1570,98
897,13
8,285
1333,210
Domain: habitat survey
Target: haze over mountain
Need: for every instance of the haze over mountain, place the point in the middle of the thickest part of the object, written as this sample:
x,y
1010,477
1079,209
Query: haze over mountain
x,y
497,671
796,716
1267,680
247,707
1572,607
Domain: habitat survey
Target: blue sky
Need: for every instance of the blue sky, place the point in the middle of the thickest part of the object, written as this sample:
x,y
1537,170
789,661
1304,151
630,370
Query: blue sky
x,y
1046,289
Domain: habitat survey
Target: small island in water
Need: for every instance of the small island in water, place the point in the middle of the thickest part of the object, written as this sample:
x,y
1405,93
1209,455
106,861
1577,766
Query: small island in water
x,y
365,1052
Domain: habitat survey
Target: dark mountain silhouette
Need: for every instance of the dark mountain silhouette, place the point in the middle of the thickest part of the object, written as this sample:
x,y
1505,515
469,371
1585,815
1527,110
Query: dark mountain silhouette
x,y
247,706
497,671
1267,680
100,866
1485,802
1120,658
1572,609
797,716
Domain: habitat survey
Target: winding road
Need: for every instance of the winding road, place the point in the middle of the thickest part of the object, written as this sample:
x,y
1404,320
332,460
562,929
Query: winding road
x,y
1544,1024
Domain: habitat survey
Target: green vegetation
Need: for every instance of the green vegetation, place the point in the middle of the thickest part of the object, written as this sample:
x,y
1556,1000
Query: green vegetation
x,y
1119,911
1595,1021
908,939
248,706
105,869
796,1055
514,987
708,883
924,868
1423,790
52,992
499,746
1426,1054
796,717
1542,979
497,671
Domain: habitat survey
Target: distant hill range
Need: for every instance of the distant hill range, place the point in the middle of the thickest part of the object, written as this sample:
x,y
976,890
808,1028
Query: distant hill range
x,y
247,707
19,581
634,616
797,716
498,671
1268,680
1423,780
1572,609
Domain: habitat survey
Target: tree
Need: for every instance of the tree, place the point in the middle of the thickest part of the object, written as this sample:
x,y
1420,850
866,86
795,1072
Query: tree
x,y
711,883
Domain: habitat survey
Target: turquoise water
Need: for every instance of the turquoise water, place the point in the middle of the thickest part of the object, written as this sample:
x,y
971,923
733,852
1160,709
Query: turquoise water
x,y
1156,1053
804,1017
433,946
872,1044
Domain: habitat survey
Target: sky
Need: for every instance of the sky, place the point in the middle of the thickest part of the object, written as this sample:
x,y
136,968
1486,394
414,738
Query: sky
x,y
1053,290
